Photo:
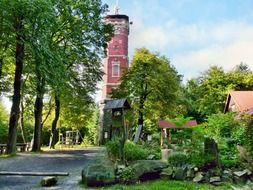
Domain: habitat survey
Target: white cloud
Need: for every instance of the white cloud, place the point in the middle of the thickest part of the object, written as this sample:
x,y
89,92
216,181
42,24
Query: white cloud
x,y
194,47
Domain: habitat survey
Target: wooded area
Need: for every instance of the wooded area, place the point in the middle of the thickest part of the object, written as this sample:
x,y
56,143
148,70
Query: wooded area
x,y
50,53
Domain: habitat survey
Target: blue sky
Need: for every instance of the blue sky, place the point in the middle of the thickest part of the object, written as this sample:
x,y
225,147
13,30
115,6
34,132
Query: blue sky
x,y
193,34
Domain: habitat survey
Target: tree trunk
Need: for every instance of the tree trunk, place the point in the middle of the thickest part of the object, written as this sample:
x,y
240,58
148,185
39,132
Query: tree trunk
x,y
140,120
14,115
53,137
22,126
38,108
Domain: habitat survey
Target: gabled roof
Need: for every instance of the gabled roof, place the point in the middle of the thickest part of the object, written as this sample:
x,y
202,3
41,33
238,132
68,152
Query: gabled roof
x,y
242,99
116,104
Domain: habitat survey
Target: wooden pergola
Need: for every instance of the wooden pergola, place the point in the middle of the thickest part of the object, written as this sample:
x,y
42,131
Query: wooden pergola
x,y
164,125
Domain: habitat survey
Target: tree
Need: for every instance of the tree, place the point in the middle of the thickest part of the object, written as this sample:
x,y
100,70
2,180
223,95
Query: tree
x,y
206,94
17,29
151,83
84,36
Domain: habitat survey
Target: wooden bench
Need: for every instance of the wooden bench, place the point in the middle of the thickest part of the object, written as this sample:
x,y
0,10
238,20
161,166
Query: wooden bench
x,y
21,147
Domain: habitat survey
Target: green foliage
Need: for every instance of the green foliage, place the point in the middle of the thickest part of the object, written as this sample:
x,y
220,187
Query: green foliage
x,y
3,124
153,146
206,94
151,83
178,159
170,184
200,159
127,174
221,125
134,151
247,136
180,120
91,131
112,148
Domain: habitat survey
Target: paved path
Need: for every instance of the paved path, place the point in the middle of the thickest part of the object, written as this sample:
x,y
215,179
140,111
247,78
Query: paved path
x,y
71,161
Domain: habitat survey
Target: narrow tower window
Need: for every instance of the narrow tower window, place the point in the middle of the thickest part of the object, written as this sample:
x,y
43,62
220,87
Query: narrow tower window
x,y
115,69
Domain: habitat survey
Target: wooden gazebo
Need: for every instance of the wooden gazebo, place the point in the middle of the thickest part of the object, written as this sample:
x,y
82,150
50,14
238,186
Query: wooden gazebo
x,y
164,125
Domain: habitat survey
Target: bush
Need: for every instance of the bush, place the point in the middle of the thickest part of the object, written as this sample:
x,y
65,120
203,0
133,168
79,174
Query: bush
x,y
248,135
221,125
3,134
134,151
153,146
112,148
178,159
230,163
200,159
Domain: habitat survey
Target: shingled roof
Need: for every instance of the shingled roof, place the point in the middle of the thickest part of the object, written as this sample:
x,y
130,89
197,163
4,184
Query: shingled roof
x,y
116,104
243,100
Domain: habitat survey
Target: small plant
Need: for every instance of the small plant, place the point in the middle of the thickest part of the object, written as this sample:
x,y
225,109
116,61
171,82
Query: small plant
x,y
200,159
112,148
127,176
134,151
178,159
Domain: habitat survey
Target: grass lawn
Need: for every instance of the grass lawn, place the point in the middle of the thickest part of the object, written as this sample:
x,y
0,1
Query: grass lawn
x,y
169,185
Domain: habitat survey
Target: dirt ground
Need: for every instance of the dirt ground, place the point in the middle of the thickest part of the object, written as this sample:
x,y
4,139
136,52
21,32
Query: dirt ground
x,y
72,161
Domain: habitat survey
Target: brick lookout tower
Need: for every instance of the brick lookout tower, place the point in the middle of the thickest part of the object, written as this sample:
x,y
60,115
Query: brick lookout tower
x,y
114,66
117,53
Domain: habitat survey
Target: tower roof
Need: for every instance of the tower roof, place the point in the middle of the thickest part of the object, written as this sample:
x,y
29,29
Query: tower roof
x,y
117,17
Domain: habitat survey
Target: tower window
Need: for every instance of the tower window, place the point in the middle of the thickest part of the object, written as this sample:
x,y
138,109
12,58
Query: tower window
x,y
115,69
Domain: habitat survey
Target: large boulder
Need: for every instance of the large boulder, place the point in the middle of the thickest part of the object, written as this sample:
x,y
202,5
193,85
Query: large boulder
x,y
142,170
98,175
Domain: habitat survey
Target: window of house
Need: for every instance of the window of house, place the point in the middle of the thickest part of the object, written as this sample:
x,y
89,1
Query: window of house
x,y
115,69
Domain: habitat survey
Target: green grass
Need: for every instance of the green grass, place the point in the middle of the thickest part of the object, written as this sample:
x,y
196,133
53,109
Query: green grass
x,y
8,155
169,185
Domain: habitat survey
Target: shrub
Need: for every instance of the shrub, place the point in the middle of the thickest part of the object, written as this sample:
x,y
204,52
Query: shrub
x,y
200,159
230,163
178,159
153,146
248,136
3,134
221,125
134,151
112,148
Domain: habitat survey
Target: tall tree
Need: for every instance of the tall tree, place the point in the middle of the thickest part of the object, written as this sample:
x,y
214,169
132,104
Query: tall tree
x,y
206,94
18,26
151,83
84,35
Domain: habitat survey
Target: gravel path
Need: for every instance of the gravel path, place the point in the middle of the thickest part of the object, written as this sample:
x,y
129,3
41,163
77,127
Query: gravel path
x,y
71,161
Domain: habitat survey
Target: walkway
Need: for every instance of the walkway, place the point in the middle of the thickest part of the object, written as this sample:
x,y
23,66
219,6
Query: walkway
x,y
71,161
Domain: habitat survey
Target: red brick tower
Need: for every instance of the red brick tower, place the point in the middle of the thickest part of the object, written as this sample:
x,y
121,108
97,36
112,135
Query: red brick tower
x,y
117,53
114,65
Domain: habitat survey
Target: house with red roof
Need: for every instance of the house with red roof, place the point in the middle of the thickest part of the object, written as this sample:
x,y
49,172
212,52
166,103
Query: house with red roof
x,y
240,102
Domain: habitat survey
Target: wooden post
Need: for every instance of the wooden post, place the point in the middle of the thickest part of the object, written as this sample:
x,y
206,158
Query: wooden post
x,y
169,137
162,141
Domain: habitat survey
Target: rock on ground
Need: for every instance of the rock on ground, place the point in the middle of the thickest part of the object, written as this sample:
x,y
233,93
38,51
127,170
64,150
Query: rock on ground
x,y
48,181
98,175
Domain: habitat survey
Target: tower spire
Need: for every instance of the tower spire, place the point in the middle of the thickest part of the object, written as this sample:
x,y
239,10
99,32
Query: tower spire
x,y
116,8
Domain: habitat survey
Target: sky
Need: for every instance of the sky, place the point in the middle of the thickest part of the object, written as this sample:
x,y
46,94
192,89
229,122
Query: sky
x,y
193,34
